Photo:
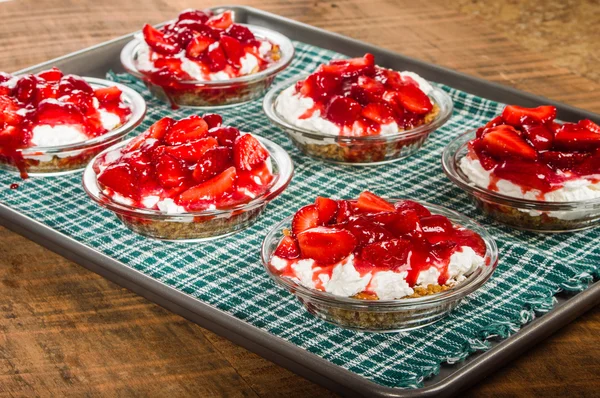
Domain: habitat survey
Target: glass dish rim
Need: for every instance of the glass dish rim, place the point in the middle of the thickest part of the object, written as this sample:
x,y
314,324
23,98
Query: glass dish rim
x,y
450,158
473,282
130,49
442,99
278,155
138,111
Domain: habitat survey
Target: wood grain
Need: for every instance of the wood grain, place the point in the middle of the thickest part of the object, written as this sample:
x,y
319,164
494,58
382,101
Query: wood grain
x,y
67,331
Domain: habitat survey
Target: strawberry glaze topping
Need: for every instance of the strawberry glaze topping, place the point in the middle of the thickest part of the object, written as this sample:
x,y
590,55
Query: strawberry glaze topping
x,y
213,43
400,237
527,147
195,162
51,99
360,96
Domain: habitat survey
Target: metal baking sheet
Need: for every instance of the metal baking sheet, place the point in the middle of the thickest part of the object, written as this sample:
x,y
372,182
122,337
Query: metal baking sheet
x,y
97,60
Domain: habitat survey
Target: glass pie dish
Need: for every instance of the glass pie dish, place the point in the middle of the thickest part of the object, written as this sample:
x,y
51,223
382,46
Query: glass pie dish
x,y
361,150
64,159
217,93
525,214
385,315
193,226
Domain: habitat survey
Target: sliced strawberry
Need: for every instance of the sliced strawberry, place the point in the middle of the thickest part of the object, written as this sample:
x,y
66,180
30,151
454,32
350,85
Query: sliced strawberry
x,y
217,58
51,75
240,33
326,245
540,136
564,160
319,85
210,190
8,111
193,15
192,151
391,254
414,99
371,85
576,138
492,123
159,129
188,129
288,248
141,164
371,203
589,125
366,90
170,172
197,46
379,113
344,211
305,218
350,67
52,112
226,135
343,110
248,152
366,232
466,237
182,36
411,205
436,228
72,82
212,119
120,178
45,91
327,209
406,222
25,89
518,115
108,94
222,21
157,41
505,142
233,49
83,101
212,162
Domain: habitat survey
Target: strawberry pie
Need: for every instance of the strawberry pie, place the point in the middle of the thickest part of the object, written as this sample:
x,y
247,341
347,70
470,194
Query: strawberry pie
x,y
197,58
51,109
376,249
525,153
203,46
355,98
353,111
189,179
190,165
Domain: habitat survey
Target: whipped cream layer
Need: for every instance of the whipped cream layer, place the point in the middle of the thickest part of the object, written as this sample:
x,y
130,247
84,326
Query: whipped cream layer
x,y
249,63
346,281
579,189
45,135
291,105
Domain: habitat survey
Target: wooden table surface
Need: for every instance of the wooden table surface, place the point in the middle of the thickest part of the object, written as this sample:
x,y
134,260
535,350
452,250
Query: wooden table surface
x,y
67,331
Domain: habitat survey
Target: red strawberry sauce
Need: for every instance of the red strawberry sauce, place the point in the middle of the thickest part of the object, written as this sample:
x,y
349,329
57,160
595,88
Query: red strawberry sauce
x,y
381,236
360,96
50,98
197,162
528,147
